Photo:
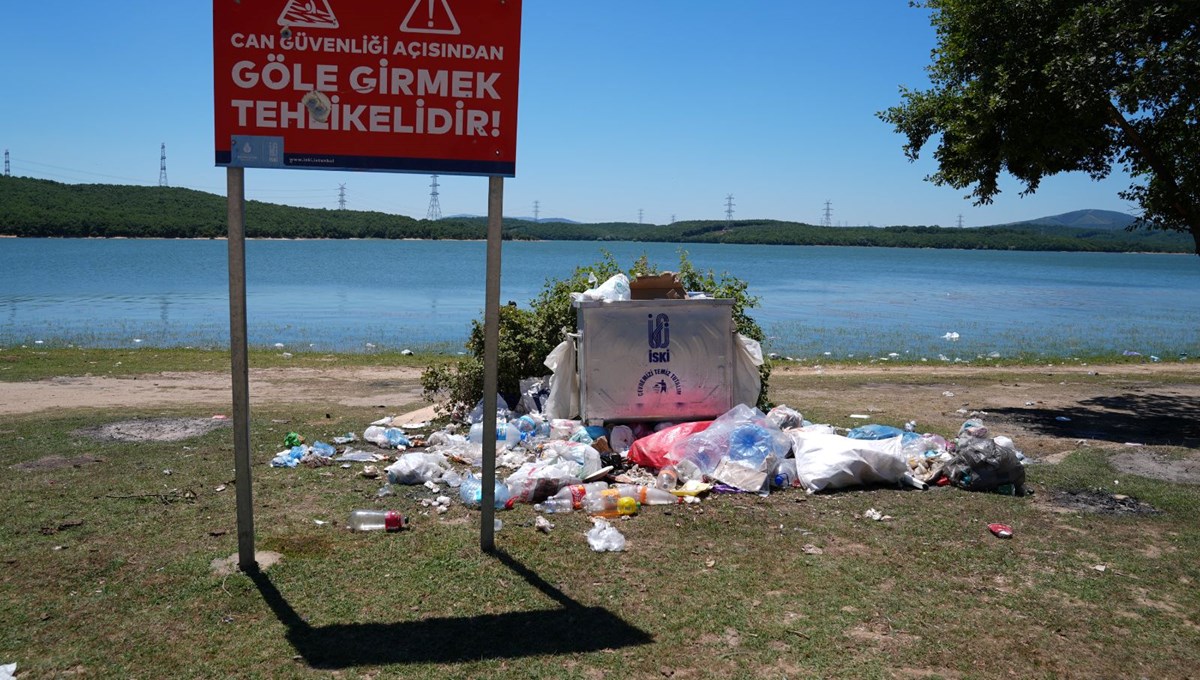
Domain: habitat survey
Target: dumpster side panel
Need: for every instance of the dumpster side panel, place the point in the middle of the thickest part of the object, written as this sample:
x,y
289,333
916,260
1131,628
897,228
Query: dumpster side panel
x,y
656,359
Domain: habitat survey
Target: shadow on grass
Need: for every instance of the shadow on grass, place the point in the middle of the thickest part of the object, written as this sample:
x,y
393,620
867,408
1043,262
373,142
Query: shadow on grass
x,y
569,629
1154,419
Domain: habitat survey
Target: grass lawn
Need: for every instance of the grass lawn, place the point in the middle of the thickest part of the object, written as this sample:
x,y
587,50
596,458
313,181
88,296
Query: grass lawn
x,y
108,546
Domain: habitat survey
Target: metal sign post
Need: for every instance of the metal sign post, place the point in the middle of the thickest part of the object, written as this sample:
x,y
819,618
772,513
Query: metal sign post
x,y
235,180
491,350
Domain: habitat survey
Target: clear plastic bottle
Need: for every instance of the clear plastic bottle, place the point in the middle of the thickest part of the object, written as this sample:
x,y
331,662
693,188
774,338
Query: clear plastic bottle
x,y
554,504
609,503
471,493
376,520
505,432
646,495
576,492
532,425
667,478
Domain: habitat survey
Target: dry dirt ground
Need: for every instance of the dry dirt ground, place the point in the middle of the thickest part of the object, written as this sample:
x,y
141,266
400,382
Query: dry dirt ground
x,y
1137,410
390,387
1046,410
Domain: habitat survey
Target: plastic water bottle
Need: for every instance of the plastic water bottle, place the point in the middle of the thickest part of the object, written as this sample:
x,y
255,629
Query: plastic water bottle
x,y
667,479
571,497
786,475
471,493
554,504
647,495
375,520
532,425
609,503
505,432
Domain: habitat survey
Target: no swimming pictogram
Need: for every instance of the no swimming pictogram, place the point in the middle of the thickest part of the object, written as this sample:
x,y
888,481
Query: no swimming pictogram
x,y
308,14
430,16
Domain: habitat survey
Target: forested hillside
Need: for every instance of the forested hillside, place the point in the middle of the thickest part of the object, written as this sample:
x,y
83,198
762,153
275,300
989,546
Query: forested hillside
x,y
34,207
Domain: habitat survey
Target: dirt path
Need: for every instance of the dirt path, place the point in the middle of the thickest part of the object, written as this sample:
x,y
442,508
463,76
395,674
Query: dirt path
x,y
367,387
1046,409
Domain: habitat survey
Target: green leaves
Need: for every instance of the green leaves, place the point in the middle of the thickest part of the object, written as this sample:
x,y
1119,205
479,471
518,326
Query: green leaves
x,y
1033,88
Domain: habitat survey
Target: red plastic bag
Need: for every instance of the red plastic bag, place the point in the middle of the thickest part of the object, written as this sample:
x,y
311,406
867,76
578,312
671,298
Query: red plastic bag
x,y
1001,530
652,451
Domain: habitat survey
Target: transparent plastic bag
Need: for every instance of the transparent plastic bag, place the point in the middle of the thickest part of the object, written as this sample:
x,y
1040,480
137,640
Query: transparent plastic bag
x,y
604,537
743,435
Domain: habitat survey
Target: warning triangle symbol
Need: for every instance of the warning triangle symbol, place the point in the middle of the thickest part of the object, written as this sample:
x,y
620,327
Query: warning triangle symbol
x,y
430,16
308,14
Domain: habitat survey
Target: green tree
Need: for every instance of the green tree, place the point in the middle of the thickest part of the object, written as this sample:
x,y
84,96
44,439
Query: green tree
x,y
1038,87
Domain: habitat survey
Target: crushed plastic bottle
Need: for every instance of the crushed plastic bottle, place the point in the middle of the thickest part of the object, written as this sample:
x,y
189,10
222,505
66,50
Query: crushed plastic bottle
x,y
396,437
471,493
532,425
502,412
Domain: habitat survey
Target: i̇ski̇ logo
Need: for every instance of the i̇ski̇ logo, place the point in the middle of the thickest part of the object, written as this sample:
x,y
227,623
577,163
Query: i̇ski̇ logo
x,y
658,335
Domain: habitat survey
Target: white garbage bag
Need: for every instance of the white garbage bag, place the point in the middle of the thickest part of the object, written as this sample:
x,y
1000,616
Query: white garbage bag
x,y
831,461
746,381
563,401
615,289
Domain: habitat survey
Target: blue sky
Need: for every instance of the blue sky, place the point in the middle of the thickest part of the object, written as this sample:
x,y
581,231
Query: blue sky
x,y
663,106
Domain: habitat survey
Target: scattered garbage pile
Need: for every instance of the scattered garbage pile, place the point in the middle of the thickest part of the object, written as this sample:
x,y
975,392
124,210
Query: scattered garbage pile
x,y
563,466
560,465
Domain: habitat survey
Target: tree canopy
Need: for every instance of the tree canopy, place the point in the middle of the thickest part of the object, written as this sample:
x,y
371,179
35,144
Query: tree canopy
x,y
1039,87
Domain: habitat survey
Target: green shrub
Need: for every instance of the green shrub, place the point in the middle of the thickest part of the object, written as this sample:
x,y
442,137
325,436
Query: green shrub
x,y
527,336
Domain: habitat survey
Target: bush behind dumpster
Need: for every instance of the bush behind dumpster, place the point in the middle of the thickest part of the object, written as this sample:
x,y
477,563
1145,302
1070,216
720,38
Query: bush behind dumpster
x,y
528,335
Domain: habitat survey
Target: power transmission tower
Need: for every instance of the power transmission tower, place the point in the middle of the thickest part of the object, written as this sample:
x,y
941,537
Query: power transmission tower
x,y
162,166
537,210
827,221
729,208
960,221
7,173
435,207
640,215
341,197
672,219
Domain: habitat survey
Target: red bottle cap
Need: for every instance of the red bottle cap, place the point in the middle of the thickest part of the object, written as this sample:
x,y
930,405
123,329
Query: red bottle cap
x,y
394,521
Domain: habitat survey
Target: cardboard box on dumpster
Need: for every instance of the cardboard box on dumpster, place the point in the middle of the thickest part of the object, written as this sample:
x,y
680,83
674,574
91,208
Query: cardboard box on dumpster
x,y
664,286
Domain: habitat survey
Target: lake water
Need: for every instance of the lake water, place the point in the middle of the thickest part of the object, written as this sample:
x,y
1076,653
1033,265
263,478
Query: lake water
x,y
352,295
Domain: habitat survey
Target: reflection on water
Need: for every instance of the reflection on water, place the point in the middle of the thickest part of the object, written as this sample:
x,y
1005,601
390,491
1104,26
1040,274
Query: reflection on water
x,y
342,295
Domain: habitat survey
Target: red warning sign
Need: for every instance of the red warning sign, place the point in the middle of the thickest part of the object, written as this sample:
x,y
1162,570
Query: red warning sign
x,y
430,16
425,86
308,14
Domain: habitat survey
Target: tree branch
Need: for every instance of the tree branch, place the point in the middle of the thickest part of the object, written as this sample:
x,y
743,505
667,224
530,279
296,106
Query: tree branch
x,y
1183,208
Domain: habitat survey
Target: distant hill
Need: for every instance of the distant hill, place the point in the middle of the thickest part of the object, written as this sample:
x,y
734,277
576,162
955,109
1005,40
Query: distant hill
x,y
555,220
44,208
1085,219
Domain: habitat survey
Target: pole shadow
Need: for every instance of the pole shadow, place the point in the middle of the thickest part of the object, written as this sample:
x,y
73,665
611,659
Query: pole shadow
x,y
569,629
